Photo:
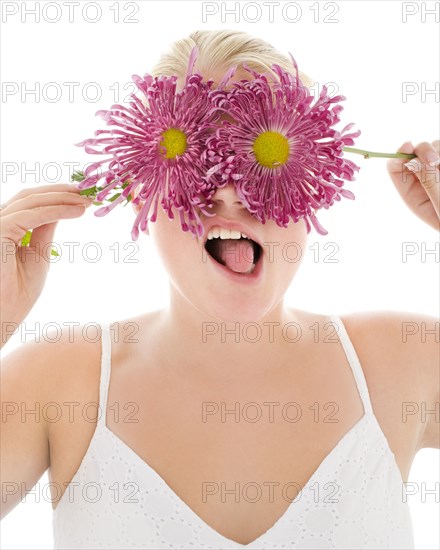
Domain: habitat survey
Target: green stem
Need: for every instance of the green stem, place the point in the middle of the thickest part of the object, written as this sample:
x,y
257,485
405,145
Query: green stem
x,y
79,176
368,154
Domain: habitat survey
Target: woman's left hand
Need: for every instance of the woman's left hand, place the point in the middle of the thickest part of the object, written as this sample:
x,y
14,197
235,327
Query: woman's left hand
x,y
418,182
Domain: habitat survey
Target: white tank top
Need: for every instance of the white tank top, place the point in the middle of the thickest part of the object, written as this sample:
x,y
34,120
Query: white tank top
x,y
116,500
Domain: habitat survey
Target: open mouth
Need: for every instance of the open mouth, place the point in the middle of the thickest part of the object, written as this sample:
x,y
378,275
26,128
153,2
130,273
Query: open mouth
x,y
239,255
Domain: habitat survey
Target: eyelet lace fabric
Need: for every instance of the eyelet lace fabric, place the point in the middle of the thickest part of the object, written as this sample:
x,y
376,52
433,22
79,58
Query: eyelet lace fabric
x,y
354,499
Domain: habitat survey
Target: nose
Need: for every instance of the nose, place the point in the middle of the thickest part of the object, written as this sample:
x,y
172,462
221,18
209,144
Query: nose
x,y
227,197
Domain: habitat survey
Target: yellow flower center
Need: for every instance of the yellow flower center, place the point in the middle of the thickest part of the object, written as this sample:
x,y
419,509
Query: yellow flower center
x,y
271,149
174,141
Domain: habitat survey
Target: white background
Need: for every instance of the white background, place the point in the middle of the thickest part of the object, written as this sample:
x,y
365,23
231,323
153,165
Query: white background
x,y
369,51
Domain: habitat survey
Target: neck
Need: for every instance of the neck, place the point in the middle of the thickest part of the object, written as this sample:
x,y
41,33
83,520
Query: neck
x,y
207,342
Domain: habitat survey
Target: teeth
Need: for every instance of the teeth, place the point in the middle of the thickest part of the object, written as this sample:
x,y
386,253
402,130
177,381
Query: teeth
x,y
217,232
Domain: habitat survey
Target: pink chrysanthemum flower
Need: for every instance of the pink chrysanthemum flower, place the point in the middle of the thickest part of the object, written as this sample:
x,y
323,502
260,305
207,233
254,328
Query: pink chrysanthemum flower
x,y
157,146
279,149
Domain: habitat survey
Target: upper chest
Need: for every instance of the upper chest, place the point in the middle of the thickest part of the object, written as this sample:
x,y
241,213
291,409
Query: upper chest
x,y
208,437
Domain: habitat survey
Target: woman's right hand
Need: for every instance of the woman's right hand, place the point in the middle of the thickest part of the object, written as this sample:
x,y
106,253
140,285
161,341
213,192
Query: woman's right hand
x,y
24,268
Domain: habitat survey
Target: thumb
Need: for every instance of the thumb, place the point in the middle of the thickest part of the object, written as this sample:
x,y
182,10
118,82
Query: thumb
x,y
41,238
429,176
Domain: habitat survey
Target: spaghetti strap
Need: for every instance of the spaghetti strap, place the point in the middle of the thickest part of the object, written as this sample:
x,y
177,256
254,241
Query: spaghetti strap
x,y
354,362
105,373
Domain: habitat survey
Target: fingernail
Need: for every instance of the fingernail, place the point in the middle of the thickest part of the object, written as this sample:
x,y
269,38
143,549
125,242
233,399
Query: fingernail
x,y
432,158
85,200
412,165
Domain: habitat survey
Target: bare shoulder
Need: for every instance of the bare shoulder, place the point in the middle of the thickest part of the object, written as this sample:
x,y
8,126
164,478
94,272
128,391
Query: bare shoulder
x,y
55,360
41,383
407,341
56,375
400,355
66,364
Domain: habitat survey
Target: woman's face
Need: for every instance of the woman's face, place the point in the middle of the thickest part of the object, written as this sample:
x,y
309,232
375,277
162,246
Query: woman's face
x,y
214,290
218,291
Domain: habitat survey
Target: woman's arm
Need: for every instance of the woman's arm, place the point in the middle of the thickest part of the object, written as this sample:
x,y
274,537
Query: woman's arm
x,y
418,183
45,386
429,365
25,377
400,356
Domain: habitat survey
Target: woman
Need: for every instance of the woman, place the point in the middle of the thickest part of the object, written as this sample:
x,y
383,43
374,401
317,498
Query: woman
x,y
207,436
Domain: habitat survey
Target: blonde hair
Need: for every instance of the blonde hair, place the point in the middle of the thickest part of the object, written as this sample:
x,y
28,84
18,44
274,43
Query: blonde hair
x,y
220,50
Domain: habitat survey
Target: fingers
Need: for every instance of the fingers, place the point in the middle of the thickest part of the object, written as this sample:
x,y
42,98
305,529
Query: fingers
x,y
394,165
400,175
59,187
428,153
14,225
39,209
41,236
35,200
426,169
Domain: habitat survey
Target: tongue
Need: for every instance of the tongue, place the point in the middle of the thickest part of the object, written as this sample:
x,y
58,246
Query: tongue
x,y
238,255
